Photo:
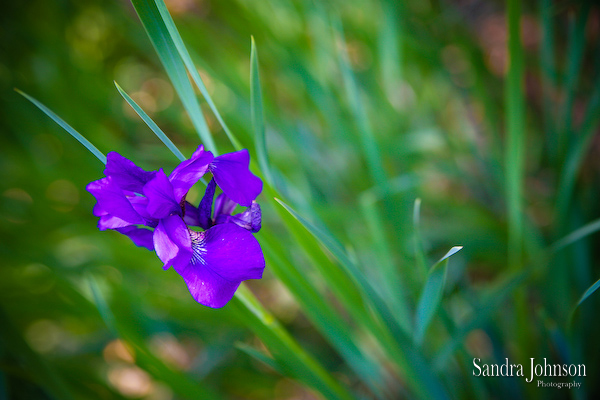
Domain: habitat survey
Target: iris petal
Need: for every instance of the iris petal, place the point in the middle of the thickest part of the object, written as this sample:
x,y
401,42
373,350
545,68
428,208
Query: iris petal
x,y
172,242
250,219
125,173
188,172
205,207
191,215
140,236
232,173
112,201
230,251
161,199
207,287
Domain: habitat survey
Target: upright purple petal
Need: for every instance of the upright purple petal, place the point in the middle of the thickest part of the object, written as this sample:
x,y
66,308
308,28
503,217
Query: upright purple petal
x,y
186,174
112,201
161,199
140,236
229,251
125,173
232,173
224,205
172,242
205,207
207,287
190,216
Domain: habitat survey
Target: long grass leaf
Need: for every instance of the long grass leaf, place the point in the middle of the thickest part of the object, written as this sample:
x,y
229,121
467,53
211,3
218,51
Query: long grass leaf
x,y
359,113
260,356
325,318
418,240
88,145
515,127
293,359
157,31
482,314
576,235
391,279
258,117
588,292
390,47
548,74
432,294
395,339
101,305
577,152
575,51
191,68
151,124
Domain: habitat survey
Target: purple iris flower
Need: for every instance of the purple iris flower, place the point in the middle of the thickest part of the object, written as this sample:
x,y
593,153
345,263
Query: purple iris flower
x,y
150,208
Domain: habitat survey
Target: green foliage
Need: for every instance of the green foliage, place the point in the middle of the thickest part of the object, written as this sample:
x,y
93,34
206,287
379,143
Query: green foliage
x,y
488,119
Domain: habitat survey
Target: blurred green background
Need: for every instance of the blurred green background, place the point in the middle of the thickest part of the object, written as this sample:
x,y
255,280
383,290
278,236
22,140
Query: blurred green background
x,y
430,79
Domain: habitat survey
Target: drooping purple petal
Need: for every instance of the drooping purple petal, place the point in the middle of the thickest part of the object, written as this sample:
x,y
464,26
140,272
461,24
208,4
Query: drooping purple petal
x,y
125,173
250,219
205,207
112,222
188,172
207,287
161,199
172,242
140,205
232,173
112,201
229,251
140,236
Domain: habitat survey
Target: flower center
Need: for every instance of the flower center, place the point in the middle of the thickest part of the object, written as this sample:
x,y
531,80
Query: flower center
x,y
198,249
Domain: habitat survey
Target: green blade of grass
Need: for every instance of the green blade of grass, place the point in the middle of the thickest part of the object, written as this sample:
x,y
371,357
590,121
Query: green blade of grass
x,y
432,294
391,279
419,247
293,359
515,128
514,99
384,325
258,117
588,292
482,314
86,143
359,113
151,124
548,70
577,153
157,31
260,356
576,235
325,318
390,47
191,68
576,46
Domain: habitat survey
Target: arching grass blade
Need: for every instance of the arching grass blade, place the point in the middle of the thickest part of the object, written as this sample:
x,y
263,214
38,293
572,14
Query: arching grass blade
x,y
151,124
155,27
88,145
258,117
432,294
